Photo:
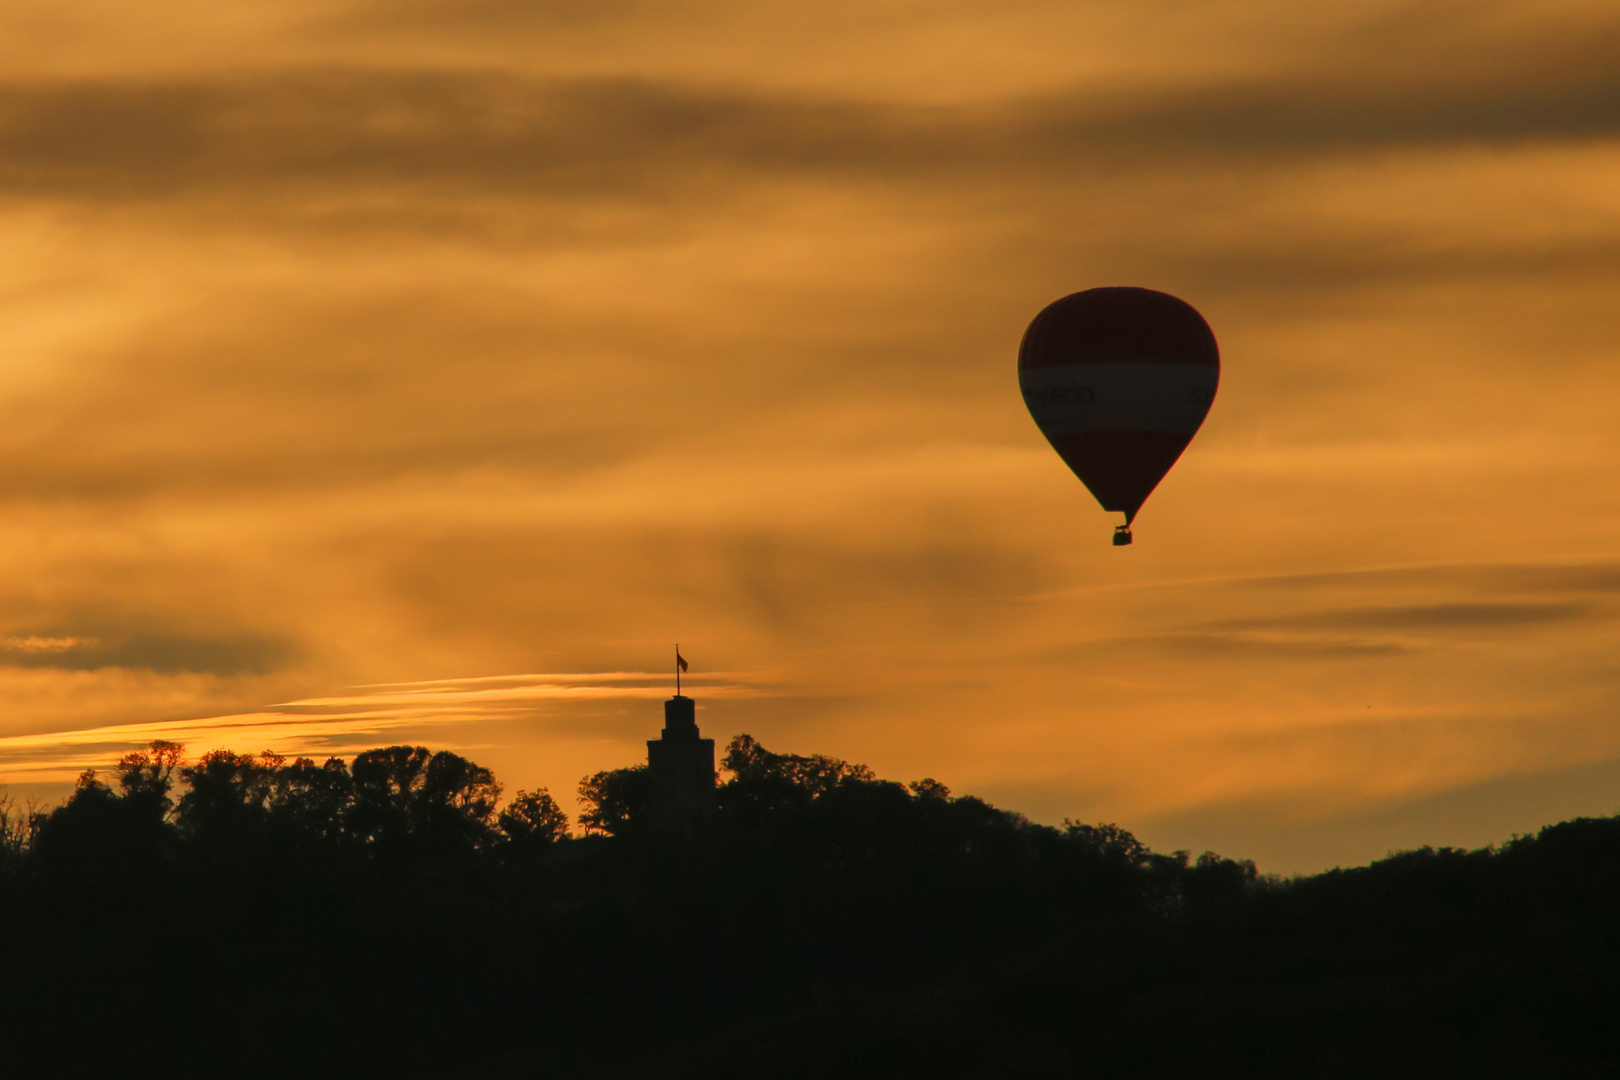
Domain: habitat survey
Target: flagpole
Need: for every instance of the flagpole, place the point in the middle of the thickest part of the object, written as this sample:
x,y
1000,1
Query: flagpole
x,y
677,669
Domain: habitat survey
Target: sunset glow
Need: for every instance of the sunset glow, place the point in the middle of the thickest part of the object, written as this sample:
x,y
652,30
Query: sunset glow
x,y
357,359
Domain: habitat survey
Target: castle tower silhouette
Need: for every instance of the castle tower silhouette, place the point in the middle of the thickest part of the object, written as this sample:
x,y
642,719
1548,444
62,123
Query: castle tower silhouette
x,y
680,765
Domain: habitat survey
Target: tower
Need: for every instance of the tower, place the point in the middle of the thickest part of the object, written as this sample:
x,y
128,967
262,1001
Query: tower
x,y
681,769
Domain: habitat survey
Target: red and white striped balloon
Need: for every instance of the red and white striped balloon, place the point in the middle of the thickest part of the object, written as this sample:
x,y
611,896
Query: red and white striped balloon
x,y
1119,380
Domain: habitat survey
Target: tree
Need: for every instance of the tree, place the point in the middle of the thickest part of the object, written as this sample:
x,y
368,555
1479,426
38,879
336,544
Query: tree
x,y
99,832
1107,841
227,797
456,805
406,796
17,825
816,774
245,801
312,800
146,776
616,801
763,782
386,783
533,820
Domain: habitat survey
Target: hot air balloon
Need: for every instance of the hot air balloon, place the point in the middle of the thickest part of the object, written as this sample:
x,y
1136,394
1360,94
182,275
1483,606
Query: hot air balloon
x,y
1119,380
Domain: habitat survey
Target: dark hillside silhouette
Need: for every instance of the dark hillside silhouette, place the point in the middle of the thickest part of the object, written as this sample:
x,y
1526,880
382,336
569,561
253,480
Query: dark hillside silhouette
x,y
242,915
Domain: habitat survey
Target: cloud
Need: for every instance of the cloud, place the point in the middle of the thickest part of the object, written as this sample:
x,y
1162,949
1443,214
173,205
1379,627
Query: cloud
x,y
148,649
289,391
799,585
347,723
317,129
1422,617
1594,578
1277,647
366,130
34,644
525,337
1591,579
1395,628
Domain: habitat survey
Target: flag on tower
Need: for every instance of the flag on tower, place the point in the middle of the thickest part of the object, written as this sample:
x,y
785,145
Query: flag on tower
x,y
680,661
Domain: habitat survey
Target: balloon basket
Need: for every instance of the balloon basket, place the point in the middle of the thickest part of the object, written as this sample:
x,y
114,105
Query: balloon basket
x,y
1122,535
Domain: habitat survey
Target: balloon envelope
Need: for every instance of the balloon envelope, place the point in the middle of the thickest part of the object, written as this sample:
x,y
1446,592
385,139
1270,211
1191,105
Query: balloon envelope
x,y
1119,380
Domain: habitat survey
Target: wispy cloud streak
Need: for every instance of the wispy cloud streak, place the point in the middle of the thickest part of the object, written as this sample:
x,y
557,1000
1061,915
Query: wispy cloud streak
x,y
347,723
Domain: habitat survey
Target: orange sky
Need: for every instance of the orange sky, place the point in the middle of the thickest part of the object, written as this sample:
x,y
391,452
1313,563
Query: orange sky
x,y
422,370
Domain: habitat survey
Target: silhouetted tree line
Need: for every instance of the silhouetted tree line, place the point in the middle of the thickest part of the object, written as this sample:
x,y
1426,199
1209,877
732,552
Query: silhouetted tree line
x,y
247,915
395,803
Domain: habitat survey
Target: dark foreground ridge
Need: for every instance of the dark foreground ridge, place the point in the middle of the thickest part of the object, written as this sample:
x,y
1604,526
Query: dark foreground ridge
x,y
249,916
